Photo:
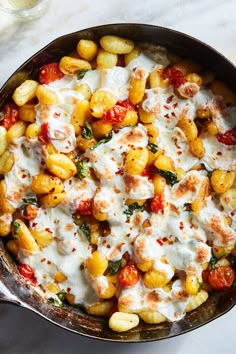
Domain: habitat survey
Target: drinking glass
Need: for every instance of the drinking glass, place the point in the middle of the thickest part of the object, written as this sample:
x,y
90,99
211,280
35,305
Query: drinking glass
x,y
25,9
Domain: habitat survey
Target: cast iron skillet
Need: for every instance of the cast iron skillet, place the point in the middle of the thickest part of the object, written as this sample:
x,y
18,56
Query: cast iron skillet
x,y
12,286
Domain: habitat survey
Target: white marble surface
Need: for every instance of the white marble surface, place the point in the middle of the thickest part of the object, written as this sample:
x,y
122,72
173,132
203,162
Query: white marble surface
x,y
213,21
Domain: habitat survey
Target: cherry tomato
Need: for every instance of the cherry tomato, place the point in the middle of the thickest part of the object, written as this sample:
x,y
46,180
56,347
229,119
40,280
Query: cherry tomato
x,y
129,276
85,207
176,77
126,104
221,277
29,212
228,138
26,271
115,115
149,171
10,115
49,73
157,203
44,133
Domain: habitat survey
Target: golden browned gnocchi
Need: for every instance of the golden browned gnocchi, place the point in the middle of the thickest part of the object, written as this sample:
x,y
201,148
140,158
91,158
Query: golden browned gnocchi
x,y
118,182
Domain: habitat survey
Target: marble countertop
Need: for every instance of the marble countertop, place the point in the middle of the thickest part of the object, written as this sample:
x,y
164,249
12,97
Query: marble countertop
x,y
214,22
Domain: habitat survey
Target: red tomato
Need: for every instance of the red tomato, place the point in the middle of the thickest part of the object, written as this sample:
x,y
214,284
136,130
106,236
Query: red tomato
x,y
128,276
228,138
115,115
44,133
49,73
126,103
10,115
149,171
176,77
26,271
157,203
221,277
29,212
85,207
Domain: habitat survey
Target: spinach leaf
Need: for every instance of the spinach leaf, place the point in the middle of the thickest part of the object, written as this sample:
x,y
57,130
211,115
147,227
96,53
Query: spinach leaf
x,y
213,262
152,147
32,201
81,73
114,267
131,208
82,169
86,230
16,227
102,141
58,301
171,177
187,207
87,131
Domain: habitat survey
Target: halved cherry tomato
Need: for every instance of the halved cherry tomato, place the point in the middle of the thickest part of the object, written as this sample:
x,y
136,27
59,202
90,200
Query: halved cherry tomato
x,y
126,104
157,203
26,271
221,277
115,114
228,138
29,212
85,207
10,115
49,73
44,133
149,171
129,276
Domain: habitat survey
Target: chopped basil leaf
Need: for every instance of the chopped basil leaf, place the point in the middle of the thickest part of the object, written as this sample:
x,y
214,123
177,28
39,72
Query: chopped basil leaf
x,y
131,208
200,284
61,295
82,169
171,177
16,227
152,147
187,207
114,267
102,141
86,230
81,73
213,262
87,131
55,302
32,201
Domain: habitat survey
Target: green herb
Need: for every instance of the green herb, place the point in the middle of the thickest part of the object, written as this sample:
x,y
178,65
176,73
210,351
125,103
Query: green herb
x,y
16,227
81,73
200,284
82,169
87,131
152,147
114,267
58,301
102,141
213,262
32,201
86,230
187,207
171,177
131,208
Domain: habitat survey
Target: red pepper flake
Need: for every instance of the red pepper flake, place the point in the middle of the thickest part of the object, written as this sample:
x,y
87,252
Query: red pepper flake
x,y
43,260
175,105
108,246
181,225
159,241
73,249
49,262
219,153
169,99
173,114
56,115
48,230
166,115
34,224
191,226
179,152
166,106
68,290
23,176
232,213
164,239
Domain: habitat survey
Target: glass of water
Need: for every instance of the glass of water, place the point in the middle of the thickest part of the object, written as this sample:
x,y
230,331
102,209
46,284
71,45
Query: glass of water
x,y
25,9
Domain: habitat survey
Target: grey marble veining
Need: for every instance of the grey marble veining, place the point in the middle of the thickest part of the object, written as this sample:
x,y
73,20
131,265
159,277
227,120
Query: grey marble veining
x,y
212,21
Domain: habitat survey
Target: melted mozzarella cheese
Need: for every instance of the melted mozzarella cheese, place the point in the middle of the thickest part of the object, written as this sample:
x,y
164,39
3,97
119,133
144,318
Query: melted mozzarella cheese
x,y
27,156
